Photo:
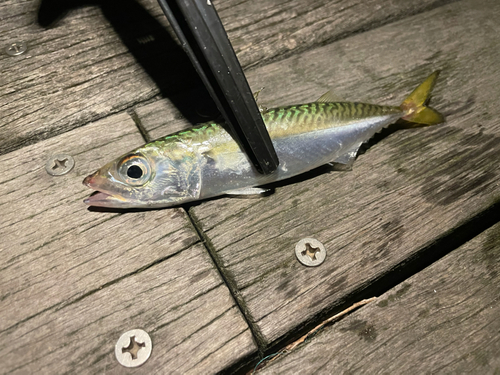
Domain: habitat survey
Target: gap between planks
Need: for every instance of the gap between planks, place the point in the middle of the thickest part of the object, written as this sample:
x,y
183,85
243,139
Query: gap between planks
x,y
452,241
60,100
452,109
442,317
205,241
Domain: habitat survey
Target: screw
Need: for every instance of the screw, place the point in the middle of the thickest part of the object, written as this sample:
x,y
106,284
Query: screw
x,y
16,48
58,165
310,252
133,348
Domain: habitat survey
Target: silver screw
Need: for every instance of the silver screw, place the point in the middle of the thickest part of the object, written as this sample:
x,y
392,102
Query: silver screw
x,y
60,164
16,48
310,252
133,348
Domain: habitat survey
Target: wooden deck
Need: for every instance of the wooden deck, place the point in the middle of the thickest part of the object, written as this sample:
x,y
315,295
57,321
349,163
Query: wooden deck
x,y
216,284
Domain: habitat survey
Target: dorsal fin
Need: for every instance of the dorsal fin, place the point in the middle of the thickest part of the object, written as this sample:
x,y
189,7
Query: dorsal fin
x,y
256,93
329,97
262,109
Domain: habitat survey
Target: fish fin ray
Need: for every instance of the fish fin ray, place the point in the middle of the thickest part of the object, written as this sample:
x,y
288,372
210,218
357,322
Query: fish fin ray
x,y
350,156
256,93
329,97
414,105
262,108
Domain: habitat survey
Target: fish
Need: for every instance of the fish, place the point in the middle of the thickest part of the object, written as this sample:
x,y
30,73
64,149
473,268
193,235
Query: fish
x,y
205,161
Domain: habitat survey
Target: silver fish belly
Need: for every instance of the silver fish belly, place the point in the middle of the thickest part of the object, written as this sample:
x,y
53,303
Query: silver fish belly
x,y
230,172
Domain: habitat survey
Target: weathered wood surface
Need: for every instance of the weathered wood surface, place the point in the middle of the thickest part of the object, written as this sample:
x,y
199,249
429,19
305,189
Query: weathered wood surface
x,y
405,192
103,59
266,30
73,280
444,319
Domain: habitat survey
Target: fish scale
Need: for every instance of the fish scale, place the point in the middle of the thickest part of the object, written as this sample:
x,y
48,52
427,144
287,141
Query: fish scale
x,y
206,161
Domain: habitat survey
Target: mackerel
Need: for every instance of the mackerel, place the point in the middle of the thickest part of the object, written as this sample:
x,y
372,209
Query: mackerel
x,y
205,161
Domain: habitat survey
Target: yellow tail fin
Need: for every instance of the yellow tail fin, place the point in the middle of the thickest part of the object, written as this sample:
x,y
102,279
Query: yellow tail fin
x,y
414,104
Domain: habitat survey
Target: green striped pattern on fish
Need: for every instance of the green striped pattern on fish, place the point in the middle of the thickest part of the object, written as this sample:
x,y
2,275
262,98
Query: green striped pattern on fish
x,y
195,134
291,120
297,119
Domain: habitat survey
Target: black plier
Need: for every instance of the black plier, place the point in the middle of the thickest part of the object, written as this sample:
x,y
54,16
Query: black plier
x,y
204,39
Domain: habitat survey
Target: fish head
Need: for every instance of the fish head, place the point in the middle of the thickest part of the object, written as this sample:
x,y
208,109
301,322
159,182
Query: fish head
x,y
145,178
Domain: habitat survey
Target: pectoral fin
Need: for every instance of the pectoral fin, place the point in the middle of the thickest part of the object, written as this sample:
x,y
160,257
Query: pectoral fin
x,y
349,157
247,191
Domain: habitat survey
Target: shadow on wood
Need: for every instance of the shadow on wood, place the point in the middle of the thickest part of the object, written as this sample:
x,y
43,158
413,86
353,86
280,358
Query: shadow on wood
x,y
151,45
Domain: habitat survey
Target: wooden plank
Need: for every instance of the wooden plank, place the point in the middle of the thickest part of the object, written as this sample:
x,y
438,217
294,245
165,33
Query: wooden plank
x,y
181,302
101,60
442,320
162,117
81,69
268,30
406,190
72,279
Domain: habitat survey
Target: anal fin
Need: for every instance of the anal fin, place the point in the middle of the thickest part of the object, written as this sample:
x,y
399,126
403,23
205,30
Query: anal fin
x,y
349,157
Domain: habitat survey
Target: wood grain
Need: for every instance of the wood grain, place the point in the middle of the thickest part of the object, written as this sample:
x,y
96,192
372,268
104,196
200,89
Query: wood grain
x,y
268,30
406,191
72,280
79,70
181,302
101,59
442,320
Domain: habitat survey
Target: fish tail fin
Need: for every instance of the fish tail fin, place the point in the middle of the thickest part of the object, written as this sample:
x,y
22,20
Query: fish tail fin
x,y
416,112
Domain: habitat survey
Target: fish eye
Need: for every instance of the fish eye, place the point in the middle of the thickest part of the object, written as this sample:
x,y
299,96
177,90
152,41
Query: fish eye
x,y
134,170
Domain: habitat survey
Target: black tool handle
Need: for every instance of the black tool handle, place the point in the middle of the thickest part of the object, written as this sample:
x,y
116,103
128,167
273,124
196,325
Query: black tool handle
x,y
204,39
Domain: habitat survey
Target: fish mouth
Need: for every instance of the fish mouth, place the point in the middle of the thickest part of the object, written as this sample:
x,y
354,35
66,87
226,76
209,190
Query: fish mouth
x,y
100,199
